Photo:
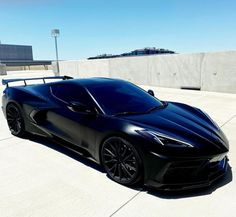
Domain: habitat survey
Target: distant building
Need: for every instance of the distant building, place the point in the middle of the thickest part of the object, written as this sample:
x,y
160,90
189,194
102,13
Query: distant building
x,y
19,55
138,52
15,52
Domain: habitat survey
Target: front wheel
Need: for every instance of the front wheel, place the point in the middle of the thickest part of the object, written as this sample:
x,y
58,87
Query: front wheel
x,y
121,161
15,120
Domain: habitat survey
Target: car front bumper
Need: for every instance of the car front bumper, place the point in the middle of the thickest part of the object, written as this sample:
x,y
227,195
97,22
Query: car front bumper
x,y
183,174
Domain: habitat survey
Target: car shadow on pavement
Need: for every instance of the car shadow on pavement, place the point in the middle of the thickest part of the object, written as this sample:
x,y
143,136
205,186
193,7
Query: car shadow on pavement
x,y
58,146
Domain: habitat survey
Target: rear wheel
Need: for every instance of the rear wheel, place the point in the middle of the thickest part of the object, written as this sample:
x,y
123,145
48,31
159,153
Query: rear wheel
x,y
15,120
121,161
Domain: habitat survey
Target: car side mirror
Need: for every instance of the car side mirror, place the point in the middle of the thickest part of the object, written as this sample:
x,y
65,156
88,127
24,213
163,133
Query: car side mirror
x,y
81,108
151,92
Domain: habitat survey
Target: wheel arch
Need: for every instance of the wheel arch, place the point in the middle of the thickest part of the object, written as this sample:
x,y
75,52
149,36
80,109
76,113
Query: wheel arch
x,y
13,102
28,126
17,106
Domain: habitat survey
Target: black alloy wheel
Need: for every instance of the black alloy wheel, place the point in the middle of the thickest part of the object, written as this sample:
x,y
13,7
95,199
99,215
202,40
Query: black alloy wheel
x,y
15,120
121,161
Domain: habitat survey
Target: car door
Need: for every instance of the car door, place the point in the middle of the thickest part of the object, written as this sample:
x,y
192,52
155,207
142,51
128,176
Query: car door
x,y
72,126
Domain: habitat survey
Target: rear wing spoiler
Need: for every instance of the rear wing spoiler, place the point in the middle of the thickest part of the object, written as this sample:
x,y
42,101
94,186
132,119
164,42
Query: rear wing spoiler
x,y
7,81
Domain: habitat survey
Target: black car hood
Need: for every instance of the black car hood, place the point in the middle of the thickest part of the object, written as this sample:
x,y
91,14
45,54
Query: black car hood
x,y
185,123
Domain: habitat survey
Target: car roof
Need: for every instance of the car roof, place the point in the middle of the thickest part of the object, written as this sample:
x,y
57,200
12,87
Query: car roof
x,y
87,82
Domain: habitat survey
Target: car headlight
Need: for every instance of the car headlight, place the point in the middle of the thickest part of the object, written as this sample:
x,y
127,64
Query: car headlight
x,y
163,139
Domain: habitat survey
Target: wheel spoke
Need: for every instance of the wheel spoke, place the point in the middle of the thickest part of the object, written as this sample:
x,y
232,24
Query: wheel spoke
x,y
113,148
127,157
119,171
130,167
113,167
126,171
18,125
10,118
111,160
9,114
110,152
124,151
116,165
119,147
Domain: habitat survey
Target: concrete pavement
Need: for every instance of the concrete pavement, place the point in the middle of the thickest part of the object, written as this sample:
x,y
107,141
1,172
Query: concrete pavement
x,y
40,178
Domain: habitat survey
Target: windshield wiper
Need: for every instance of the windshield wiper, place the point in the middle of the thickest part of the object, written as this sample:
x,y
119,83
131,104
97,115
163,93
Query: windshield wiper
x,y
156,107
127,113
144,112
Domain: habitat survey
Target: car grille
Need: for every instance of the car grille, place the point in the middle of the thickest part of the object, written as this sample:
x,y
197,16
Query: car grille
x,y
184,172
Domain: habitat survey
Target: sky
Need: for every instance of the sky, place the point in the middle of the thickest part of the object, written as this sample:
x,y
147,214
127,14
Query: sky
x,y
93,27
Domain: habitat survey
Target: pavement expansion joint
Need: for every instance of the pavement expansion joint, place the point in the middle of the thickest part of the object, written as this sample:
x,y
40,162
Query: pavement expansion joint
x,y
7,138
125,204
230,119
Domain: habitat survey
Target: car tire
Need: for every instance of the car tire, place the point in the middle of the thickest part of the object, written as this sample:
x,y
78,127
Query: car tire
x,y
15,120
121,161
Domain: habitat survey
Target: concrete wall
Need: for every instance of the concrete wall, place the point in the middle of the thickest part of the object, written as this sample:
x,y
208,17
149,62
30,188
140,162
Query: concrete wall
x,y
81,68
219,72
23,68
208,71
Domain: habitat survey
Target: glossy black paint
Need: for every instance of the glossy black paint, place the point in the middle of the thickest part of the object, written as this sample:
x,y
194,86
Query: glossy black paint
x,y
84,123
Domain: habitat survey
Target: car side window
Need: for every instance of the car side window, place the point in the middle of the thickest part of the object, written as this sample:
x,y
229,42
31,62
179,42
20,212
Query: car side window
x,y
70,92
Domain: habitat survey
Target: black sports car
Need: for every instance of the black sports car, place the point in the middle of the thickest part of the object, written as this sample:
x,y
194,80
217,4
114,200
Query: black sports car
x,y
135,136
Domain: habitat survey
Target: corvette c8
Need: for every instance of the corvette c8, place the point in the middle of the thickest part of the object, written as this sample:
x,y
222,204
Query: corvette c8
x,y
132,134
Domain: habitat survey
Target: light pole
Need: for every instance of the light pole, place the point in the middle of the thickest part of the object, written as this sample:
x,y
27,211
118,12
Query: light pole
x,y
56,33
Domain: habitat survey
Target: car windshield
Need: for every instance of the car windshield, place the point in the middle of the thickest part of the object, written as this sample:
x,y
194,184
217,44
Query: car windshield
x,y
120,97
